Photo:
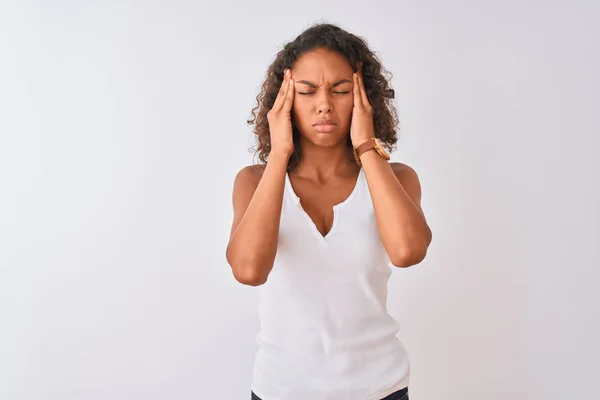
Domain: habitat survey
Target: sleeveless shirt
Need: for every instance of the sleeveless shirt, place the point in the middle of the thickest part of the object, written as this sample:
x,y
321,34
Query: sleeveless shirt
x,y
325,332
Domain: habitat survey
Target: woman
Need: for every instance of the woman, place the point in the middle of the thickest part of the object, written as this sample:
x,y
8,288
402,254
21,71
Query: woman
x,y
317,224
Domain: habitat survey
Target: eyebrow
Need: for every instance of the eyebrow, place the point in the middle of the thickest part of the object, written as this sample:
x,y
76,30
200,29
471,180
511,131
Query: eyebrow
x,y
314,85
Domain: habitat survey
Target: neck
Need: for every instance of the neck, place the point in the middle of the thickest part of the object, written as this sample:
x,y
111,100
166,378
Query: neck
x,y
320,162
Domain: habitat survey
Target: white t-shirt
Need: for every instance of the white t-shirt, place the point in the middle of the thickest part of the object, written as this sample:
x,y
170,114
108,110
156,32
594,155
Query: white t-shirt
x,y
325,331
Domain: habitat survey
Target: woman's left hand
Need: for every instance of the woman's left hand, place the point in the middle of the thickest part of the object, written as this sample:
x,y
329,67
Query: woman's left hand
x,y
362,127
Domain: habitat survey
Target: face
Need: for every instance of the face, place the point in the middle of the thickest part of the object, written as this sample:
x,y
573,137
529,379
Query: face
x,y
323,90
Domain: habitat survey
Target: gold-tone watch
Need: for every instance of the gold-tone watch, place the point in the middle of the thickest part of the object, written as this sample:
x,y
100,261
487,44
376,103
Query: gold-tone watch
x,y
373,143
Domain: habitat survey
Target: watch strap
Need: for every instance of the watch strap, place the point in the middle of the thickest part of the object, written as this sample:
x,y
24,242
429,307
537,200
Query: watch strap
x,y
361,148
368,145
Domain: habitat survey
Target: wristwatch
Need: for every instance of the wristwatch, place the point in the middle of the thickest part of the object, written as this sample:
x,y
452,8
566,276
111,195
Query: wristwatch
x,y
373,143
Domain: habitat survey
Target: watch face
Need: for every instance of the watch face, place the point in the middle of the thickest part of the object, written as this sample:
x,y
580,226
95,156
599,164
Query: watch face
x,y
380,149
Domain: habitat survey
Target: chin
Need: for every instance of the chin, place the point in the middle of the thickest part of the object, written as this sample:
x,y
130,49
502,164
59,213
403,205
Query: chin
x,y
329,139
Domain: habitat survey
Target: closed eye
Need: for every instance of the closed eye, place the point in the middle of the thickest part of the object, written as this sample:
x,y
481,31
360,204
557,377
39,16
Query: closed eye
x,y
314,92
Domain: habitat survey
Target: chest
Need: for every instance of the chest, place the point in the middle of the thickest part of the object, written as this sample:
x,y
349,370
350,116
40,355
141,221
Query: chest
x,y
351,248
320,202
320,212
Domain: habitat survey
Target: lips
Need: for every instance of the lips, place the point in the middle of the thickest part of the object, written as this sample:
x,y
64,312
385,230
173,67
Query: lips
x,y
325,122
324,126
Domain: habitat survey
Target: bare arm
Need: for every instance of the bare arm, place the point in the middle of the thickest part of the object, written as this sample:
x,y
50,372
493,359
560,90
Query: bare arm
x,y
258,197
257,203
395,190
396,194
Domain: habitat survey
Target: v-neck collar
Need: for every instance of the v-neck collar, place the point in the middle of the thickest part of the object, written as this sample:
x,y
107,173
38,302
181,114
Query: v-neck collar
x,y
336,207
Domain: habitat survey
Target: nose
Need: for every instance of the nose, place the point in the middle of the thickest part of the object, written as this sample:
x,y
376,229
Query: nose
x,y
324,104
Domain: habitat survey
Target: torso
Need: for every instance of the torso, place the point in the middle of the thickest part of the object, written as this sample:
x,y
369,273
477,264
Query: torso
x,y
325,331
318,198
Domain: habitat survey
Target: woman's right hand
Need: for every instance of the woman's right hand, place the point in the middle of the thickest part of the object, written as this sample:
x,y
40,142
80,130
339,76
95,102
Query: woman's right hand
x,y
280,118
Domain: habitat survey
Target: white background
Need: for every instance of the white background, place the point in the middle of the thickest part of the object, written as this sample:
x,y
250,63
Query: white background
x,y
123,124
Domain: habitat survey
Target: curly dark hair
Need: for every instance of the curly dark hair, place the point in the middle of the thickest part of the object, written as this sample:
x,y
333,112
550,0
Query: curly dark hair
x,y
355,49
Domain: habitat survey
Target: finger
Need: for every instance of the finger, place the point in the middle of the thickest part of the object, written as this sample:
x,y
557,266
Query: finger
x,y
281,94
289,97
356,91
363,91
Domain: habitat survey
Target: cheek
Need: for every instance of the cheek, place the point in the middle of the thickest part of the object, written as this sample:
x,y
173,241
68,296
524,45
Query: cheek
x,y
346,105
300,111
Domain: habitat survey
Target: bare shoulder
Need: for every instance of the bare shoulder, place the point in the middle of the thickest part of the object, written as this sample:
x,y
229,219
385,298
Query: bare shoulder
x,y
404,171
250,175
245,184
409,179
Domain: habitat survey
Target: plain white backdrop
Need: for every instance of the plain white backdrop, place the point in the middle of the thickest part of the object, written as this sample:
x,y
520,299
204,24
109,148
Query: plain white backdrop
x,y
123,124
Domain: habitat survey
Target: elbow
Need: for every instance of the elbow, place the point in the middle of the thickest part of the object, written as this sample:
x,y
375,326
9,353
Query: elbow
x,y
406,258
412,254
249,279
246,272
405,262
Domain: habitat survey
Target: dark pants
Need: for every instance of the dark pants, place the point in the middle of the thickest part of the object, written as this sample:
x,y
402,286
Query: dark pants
x,y
401,394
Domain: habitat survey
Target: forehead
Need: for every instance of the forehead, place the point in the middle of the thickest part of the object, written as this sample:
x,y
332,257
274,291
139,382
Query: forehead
x,y
322,63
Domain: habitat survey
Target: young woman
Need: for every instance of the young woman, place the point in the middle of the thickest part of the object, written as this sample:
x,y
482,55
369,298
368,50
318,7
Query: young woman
x,y
319,223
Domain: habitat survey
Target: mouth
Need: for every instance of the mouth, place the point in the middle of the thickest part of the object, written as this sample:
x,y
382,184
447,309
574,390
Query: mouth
x,y
325,122
324,127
